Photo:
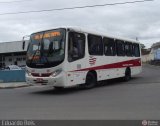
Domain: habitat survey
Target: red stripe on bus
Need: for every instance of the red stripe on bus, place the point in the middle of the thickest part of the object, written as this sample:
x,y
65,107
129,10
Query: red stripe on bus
x,y
129,63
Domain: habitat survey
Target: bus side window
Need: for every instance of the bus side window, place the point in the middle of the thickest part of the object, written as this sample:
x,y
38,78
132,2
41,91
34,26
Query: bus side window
x,y
76,46
120,48
95,45
136,50
109,47
128,48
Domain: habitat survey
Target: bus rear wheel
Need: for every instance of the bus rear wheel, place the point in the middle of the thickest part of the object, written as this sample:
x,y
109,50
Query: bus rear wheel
x,y
91,81
127,76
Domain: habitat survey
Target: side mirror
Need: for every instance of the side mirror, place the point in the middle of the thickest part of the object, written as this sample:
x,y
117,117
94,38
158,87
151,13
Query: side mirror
x,y
25,38
23,45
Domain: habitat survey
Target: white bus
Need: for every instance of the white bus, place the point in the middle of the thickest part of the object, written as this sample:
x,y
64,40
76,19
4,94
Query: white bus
x,y
66,57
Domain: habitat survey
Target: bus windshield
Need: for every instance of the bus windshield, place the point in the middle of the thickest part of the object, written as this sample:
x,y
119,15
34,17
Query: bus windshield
x,y
46,49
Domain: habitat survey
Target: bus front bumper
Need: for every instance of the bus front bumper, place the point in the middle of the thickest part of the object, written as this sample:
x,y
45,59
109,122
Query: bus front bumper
x,y
57,81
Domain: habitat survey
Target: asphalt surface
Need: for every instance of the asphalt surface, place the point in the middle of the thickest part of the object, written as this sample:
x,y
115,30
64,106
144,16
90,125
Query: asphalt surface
x,y
116,100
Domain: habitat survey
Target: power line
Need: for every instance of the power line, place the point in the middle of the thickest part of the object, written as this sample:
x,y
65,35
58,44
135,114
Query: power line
x,y
76,7
16,1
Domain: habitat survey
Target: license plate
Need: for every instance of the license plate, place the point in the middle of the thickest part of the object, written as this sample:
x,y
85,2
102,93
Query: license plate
x,y
39,79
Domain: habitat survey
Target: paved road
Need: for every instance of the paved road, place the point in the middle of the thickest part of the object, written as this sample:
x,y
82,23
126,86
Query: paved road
x,y
136,99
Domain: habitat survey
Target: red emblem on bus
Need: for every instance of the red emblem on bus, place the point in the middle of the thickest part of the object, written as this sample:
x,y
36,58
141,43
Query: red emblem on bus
x,y
92,60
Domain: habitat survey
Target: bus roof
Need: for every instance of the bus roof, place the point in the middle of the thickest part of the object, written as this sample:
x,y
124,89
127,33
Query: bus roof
x,y
89,31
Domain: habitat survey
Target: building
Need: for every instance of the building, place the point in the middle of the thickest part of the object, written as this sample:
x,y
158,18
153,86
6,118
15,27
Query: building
x,y
13,53
155,50
152,54
155,46
146,55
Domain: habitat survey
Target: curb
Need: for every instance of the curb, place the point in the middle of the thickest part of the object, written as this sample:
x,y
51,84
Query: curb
x,y
11,86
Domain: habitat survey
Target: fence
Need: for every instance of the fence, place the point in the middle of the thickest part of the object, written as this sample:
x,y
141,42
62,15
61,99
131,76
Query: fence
x,y
12,76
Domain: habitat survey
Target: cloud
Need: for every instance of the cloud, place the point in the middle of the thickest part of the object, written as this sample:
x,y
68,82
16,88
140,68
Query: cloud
x,y
131,20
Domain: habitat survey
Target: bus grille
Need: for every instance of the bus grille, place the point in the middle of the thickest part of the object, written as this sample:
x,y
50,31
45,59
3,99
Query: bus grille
x,y
41,75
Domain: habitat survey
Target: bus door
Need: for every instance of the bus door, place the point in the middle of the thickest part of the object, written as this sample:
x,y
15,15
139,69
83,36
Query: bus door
x,y
76,54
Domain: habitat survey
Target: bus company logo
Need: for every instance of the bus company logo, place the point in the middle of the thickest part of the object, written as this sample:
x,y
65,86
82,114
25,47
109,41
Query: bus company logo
x,y
144,123
150,123
92,60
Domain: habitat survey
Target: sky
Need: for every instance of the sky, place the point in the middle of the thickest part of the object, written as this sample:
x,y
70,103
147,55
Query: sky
x,y
138,20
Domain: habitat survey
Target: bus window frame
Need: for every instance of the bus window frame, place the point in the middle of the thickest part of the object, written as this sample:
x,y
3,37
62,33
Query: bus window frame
x,y
71,59
114,45
134,50
89,45
130,50
117,48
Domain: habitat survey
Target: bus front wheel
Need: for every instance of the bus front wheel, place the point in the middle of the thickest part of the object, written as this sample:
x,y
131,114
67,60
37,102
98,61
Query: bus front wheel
x,y
91,80
58,88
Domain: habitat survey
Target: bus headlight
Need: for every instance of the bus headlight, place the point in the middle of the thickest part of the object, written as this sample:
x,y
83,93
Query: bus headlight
x,y
57,72
29,73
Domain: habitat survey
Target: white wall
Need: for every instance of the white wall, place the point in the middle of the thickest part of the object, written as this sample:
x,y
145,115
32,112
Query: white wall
x,y
148,57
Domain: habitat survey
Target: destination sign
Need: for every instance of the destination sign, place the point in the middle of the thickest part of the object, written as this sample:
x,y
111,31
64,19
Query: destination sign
x,y
47,35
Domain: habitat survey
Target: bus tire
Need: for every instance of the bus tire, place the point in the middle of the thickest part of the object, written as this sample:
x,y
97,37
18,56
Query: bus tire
x,y
91,80
58,88
127,76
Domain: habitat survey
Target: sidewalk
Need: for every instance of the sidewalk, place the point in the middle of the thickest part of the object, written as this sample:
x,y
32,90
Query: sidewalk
x,y
13,85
